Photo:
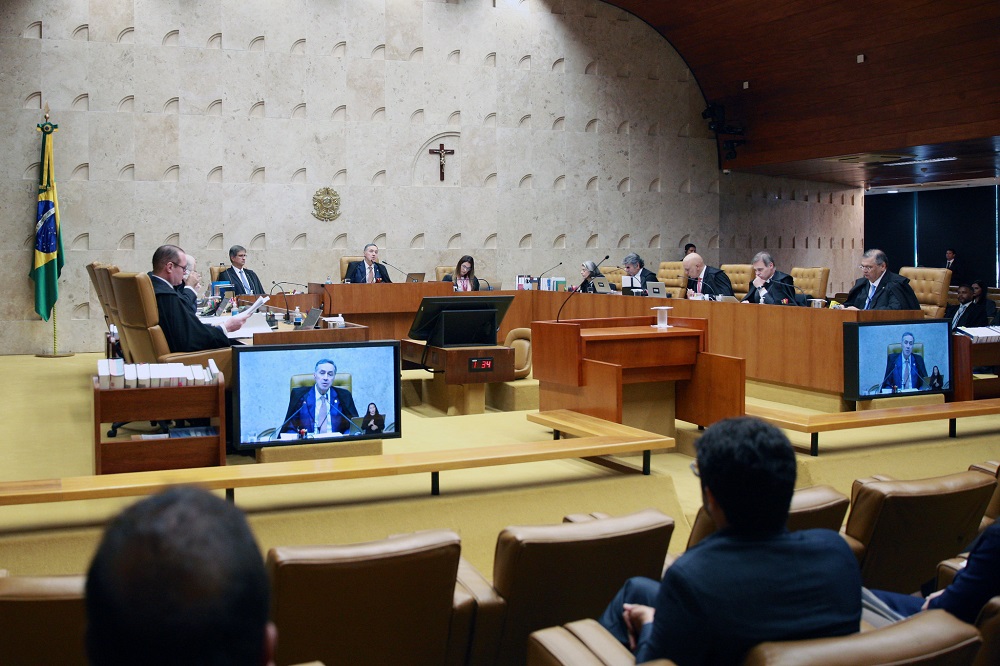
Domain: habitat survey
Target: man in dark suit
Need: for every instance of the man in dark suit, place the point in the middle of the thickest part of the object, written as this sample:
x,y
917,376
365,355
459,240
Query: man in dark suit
x,y
189,288
318,409
368,270
704,279
771,286
635,267
880,289
905,371
967,312
951,263
750,581
244,280
181,327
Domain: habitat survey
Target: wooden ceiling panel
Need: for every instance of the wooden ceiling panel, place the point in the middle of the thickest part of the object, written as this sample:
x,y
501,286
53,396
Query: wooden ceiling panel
x,y
931,76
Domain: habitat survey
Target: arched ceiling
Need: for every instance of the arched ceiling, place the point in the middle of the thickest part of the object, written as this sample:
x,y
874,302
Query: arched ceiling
x,y
839,90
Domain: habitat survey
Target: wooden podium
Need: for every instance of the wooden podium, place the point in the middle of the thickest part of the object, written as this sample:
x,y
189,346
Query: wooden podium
x,y
626,370
457,388
387,309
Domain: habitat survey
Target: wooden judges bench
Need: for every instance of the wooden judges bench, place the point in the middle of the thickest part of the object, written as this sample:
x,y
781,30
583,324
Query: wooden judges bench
x,y
794,347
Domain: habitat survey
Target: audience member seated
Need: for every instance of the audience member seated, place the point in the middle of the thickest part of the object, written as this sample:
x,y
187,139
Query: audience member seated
x,y
980,295
750,581
968,312
975,584
178,579
704,279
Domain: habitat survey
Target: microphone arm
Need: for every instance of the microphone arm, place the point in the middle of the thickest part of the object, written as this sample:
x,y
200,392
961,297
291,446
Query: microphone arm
x,y
583,282
549,270
335,403
288,315
302,403
402,272
490,287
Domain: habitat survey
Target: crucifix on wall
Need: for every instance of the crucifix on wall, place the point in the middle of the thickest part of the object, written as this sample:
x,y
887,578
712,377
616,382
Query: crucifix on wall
x,y
441,152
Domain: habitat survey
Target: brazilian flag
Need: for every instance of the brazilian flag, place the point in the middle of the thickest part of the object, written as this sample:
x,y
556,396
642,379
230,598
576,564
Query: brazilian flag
x,y
48,239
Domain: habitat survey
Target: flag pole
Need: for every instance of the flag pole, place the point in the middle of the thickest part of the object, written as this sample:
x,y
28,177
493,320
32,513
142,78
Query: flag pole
x,y
48,260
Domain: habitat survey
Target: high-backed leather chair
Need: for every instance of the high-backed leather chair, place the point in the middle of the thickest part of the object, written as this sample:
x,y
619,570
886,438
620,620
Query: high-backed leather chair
x,y
345,262
934,638
552,574
988,623
106,292
900,530
931,288
520,340
613,274
42,620
741,275
216,271
140,326
441,271
671,274
992,468
812,281
392,601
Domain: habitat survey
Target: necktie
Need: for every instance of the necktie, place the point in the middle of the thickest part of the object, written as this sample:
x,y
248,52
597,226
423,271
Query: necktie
x,y
871,294
371,274
958,315
699,285
246,283
906,374
323,416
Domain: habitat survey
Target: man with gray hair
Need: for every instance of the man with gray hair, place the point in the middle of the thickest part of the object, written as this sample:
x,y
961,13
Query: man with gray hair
x,y
770,286
635,266
244,280
880,288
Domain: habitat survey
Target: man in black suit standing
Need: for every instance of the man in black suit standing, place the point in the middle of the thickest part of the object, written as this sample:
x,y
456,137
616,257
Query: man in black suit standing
x,y
369,270
771,286
321,408
967,312
705,280
243,279
880,288
951,263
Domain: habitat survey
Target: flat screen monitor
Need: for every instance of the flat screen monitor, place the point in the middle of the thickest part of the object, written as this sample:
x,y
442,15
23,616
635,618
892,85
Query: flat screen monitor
x,y
893,358
459,321
289,394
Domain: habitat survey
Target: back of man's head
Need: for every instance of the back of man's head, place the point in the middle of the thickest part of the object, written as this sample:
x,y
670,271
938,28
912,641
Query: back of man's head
x,y
178,579
749,466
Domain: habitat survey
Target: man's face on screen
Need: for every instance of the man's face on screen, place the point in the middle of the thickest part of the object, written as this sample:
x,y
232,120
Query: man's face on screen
x,y
324,375
907,345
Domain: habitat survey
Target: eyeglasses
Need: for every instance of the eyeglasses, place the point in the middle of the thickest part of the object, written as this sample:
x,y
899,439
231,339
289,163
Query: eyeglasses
x,y
694,469
865,269
183,268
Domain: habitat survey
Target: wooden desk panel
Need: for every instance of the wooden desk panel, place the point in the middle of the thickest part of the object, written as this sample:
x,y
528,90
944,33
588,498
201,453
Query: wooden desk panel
x,y
293,336
387,309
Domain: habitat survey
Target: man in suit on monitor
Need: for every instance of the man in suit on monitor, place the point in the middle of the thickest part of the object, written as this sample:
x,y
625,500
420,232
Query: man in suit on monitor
x,y
905,371
244,280
368,270
771,286
704,279
321,408
880,288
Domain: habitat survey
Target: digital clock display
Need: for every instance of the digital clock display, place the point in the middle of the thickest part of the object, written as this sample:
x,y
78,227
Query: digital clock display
x,y
481,364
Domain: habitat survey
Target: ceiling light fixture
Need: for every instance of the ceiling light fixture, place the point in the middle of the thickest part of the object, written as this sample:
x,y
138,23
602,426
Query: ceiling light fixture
x,y
927,161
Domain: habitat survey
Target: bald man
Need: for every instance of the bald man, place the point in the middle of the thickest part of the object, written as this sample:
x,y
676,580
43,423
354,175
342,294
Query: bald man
x,y
704,279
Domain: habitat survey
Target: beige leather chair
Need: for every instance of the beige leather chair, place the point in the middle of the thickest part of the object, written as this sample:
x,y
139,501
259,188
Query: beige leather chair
x,y
345,262
140,326
988,623
931,287
520,340
551,574
441,271
216,271
42,620
741,275
104,274
900,530
393,601
614,275
934,638
812,281
671,274
992,468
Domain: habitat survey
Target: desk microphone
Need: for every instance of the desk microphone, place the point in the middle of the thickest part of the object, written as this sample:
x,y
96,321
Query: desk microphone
x,y
549,270
402,272
582,282
489,287
335,403
288,316
302,403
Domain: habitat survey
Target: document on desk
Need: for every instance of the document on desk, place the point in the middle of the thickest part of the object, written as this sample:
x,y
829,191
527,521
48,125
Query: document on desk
x,y
257,323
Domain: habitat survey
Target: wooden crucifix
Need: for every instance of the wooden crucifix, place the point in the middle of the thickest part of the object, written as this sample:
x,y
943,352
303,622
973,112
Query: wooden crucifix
x,y
441,152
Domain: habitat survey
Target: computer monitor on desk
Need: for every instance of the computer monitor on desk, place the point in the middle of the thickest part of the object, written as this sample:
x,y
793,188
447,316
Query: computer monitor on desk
x,y
883,359
459,321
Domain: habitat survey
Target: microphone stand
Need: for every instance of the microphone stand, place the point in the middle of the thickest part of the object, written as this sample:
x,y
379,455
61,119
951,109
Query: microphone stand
x,y
288,315
583,282
489,286
542,274
402,272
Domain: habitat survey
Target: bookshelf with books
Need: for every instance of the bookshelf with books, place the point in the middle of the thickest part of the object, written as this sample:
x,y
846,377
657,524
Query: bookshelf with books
x,y
112,456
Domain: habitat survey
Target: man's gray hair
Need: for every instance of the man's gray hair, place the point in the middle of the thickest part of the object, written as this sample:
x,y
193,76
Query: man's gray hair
x,y
633,258
763,256
235,250
878,256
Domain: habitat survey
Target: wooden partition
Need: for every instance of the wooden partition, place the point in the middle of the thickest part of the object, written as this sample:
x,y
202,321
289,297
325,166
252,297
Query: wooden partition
x,y
387,309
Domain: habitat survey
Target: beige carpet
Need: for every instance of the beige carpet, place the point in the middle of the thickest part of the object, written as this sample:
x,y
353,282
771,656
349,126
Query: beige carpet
x,y
51,435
